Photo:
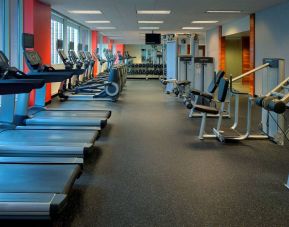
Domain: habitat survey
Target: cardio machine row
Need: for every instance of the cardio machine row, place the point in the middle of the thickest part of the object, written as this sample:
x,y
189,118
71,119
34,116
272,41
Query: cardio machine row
x,y
43,150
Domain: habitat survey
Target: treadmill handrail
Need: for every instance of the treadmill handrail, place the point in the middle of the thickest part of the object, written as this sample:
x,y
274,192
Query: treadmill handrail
x,y
18,86
52,76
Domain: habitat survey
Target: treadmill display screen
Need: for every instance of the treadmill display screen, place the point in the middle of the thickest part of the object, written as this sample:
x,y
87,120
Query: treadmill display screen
x,y
71,46
59,44
79,46
33,58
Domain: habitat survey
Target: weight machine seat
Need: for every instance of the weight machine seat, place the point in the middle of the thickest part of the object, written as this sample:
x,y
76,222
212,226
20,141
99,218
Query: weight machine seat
x,y
207,96
203,94
223,89
212,87
183,83
206,109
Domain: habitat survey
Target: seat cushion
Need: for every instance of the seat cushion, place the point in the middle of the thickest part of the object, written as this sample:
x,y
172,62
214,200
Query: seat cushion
x,y
207,96
206,109
196,92
183,82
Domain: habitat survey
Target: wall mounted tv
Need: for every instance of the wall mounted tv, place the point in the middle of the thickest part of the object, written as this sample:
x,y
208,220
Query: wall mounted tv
x,y
153,39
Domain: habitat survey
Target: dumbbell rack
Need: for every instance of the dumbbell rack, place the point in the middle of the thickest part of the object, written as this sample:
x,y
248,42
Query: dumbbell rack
x,y
145,71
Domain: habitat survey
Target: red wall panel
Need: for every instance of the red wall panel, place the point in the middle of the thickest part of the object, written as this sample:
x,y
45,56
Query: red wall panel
x,y
94,42
42,32
252,52
119,47
105,40
222,50
37,21
28,27
110,44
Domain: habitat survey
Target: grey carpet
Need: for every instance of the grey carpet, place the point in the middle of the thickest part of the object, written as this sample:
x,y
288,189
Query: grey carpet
x,y
151,170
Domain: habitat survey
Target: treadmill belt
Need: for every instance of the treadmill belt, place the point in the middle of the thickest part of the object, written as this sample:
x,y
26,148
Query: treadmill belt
x,y
47,136
17,178
74,114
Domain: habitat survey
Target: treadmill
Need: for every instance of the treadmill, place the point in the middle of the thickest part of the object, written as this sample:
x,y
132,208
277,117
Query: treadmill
x,y
8,87
39,115
31,190
37,143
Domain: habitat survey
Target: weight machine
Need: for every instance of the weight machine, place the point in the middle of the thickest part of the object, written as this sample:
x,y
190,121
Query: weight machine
x,y
180,51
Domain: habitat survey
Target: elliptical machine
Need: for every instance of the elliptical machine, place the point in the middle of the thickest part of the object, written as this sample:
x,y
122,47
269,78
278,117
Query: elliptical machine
x,y
92,89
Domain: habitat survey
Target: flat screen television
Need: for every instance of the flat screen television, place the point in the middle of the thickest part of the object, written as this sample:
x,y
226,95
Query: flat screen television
x,y
153,39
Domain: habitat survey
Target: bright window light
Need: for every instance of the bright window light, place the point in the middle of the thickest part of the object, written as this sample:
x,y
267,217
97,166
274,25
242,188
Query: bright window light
x,y
98,22
150,22
85,11
205,22
153,11
193,28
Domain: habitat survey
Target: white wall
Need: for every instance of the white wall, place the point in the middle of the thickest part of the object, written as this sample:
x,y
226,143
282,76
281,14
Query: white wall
x,y
237,26
272,36
212,45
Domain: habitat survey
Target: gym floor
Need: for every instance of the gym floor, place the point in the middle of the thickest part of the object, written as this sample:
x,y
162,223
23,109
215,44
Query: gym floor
x,y
150,169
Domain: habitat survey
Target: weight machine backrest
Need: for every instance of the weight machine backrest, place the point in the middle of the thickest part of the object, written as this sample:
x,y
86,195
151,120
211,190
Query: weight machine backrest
x,y
215,83
223,89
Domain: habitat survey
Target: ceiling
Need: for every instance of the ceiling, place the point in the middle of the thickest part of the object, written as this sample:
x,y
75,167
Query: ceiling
x,y
122,14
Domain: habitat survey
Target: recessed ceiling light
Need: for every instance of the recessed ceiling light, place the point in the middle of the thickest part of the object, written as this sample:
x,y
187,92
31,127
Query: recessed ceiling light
x,y
192,28
223,11
153,11
85,11
149,28
97,21
205,22
102,28
150,22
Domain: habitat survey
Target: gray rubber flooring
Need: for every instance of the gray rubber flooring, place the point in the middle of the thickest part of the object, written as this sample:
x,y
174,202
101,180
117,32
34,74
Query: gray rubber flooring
x,y
151,170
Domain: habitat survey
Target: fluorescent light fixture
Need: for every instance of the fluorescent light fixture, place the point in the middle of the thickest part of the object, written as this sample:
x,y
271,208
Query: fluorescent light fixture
x,y
149,28
192,28
223,11
97,22
153,11
150,22
205,22
85,11
104,28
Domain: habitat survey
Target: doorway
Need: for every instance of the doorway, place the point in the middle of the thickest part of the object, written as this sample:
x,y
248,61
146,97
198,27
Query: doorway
x,y
237,54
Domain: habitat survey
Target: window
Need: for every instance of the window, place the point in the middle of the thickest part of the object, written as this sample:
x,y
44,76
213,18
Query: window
x,y
84,38
15,27
56,33
1,24
73,35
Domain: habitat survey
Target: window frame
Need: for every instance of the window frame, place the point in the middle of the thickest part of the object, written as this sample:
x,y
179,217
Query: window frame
x,y
83,33
57,27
